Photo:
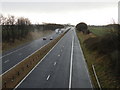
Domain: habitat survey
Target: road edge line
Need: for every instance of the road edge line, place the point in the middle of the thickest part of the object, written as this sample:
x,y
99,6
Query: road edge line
x,y
24,59
71,60
86,67
85,63
38,64
13,51
21,47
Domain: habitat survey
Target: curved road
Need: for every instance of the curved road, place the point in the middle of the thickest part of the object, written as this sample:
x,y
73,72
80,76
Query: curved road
x,y
14,56
63,67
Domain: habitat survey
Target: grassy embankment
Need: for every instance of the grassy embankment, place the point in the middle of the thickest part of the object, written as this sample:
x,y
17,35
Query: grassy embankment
x,y
30,37
16,74
99,50
99,30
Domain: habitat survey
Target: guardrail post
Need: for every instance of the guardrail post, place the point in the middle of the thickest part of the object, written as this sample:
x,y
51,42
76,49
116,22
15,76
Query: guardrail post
x,y
13,78
5,84
18,73
27,66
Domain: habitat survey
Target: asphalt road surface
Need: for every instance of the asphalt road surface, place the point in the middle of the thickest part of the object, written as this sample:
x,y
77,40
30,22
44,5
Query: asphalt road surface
x,y
14,56
63,67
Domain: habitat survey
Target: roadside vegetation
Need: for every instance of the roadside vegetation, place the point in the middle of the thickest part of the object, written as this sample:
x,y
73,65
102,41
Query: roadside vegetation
x,y
30,37
100,49
19,30
102,30
11,78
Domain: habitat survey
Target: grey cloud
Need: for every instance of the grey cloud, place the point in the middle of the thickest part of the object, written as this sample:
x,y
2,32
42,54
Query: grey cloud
x,y
52,7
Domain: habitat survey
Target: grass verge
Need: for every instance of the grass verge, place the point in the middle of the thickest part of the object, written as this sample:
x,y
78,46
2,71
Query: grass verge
x,y
30,37
102,65
16,74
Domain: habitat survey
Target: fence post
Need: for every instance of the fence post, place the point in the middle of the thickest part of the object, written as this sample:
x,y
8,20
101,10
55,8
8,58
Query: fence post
x,y
5,84
18,73
13,78
27,66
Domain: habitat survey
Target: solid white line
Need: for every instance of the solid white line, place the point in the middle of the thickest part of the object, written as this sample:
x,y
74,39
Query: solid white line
x,y
84,62
70,78
48,77
6,61
14,51
54,63
23,59
38,63
18,49
96,77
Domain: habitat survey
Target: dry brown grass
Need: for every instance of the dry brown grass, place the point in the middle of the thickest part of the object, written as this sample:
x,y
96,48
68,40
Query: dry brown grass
x,y
15,75
31,36
102,63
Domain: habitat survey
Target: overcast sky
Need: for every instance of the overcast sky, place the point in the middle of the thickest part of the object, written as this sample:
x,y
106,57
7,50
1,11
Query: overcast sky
x,y
93,13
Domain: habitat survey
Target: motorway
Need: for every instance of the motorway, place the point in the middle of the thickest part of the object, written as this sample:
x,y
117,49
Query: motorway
x,y
63,67
16,55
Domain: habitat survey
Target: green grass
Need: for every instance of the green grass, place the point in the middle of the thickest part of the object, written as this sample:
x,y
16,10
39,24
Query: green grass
x,y
102,64
89,58
99,30
16,74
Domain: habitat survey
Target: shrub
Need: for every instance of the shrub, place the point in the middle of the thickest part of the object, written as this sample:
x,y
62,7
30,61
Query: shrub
x,y
82,27
107,45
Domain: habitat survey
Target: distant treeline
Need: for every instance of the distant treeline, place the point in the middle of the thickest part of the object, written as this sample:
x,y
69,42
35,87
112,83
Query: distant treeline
x,y
111,26
18,28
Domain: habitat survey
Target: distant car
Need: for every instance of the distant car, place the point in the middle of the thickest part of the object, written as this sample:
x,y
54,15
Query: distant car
x,y
60,32
44,38
51,38
57,31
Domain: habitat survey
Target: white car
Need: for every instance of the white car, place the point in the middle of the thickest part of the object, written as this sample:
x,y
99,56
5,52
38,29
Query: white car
x,y
51,38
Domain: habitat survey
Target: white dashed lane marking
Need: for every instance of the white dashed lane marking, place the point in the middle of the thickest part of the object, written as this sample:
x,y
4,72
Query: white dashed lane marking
x,y
48,77
6,61
54,63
